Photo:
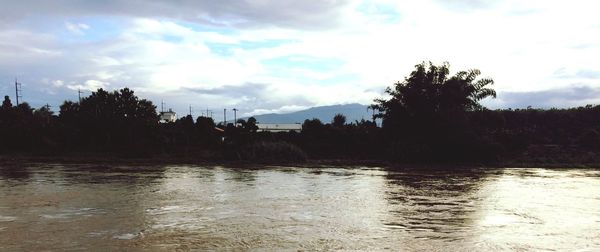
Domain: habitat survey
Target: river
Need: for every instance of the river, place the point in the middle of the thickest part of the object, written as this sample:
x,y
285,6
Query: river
x,y
165,208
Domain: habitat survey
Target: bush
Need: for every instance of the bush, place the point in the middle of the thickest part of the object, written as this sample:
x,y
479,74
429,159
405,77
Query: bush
x,y
279,151
590,139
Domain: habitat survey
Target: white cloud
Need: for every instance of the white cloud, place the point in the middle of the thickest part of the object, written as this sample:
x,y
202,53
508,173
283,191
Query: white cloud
x,y
58,83
521,45
78,28
89,85
280,110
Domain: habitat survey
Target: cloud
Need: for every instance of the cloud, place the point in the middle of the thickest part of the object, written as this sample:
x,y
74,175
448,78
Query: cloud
x,y
578,74
256,96
58,83
78,28
588,74
247,89
314,14
551,98
89,85
22,47
467,5
279,55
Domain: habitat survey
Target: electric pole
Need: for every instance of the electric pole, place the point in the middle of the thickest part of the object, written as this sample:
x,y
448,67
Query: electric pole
x,y
79,94
47,106
18,91
235,116
224,117
190,110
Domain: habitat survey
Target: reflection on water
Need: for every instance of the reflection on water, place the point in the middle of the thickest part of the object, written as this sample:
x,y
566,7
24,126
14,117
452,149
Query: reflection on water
x,y
182,207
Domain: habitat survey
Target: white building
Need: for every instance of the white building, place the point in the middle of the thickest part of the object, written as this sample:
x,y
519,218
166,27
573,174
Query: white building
x,y
169,116
279,127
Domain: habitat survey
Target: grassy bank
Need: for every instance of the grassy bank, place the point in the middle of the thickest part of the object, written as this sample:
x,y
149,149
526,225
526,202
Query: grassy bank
x,y
317,163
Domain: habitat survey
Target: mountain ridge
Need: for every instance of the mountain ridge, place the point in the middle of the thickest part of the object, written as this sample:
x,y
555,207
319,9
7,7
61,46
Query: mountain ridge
x,y
352,111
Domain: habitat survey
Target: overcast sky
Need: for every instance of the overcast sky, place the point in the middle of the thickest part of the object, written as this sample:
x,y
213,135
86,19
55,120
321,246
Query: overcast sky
x,y
283,55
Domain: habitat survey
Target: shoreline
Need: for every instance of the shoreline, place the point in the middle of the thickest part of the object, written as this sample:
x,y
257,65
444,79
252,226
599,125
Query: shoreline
x,y
309,163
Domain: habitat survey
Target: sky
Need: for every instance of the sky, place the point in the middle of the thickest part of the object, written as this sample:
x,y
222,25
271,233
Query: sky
x,y
263,56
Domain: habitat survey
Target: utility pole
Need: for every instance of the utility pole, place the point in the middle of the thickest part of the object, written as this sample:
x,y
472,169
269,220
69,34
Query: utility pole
x,y
79,94
190,110
235,116
18,91
48,111
224,117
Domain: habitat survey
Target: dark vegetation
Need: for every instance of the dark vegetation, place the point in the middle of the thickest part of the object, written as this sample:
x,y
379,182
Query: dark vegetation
x,y
430,117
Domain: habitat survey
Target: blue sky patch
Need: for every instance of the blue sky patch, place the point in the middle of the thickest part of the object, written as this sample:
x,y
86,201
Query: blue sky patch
x,y
386,12
226,49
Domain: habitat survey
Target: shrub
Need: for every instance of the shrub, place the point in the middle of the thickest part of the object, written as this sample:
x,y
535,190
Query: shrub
x,y
278,151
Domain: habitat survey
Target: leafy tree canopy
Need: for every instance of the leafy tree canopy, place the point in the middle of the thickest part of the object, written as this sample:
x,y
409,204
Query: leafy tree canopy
x,y
429,89
6,104
339,120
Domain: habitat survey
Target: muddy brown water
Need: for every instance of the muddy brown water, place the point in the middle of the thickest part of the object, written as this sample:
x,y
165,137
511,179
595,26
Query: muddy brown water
x,y
165,208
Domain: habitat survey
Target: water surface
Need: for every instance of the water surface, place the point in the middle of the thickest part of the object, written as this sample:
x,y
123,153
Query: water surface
x,y
65,207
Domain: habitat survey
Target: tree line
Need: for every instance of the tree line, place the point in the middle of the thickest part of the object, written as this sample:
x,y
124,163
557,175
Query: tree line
x,y
430,116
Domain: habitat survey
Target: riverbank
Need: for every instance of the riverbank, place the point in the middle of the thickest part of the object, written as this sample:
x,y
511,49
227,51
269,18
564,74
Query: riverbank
x,y
309,163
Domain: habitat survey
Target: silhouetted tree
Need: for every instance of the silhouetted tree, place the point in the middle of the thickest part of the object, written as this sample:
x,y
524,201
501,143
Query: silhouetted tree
x,y
112,121
430,116
6,104
24,109
339,120
313,125
251,125
425,117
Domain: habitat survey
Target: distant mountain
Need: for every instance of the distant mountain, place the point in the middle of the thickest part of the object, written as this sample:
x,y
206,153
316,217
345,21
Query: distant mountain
x,y
352,112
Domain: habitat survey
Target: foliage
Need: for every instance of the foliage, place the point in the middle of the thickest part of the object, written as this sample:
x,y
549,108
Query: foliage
x,y
6,104
339,120
115,121
425,116
272,151
429,117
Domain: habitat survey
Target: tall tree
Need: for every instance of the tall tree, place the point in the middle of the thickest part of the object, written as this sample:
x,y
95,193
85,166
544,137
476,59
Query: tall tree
x,y
251,124
110,119
426,113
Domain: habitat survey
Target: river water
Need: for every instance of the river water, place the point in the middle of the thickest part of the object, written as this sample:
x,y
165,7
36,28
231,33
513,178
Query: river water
x,y
165,208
